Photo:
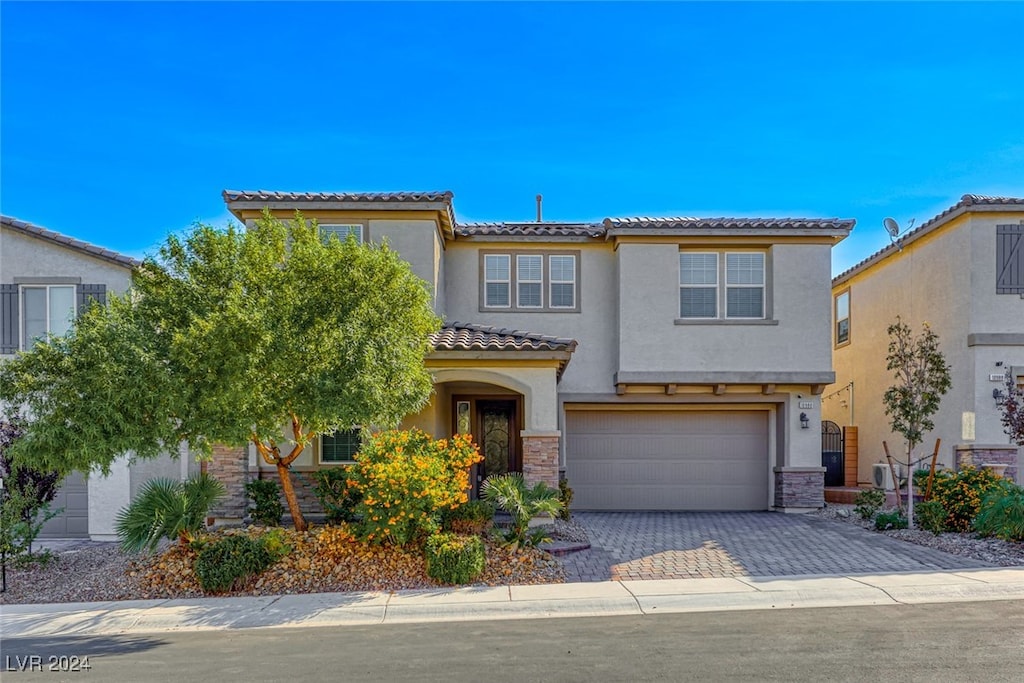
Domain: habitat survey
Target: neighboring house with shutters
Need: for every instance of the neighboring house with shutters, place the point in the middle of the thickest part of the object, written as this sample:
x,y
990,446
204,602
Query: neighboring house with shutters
x,y
962,272
665,364
46,280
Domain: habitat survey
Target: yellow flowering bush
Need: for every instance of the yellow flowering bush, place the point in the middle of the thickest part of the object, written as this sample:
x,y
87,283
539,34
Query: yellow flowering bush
x,y
961,494
407,480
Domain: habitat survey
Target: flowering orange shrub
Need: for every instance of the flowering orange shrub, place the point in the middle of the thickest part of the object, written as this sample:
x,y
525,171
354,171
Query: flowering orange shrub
x,y
407,480
333,542
961,495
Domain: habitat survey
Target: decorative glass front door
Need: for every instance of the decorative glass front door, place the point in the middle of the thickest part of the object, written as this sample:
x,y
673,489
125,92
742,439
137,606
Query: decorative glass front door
x,y
495,434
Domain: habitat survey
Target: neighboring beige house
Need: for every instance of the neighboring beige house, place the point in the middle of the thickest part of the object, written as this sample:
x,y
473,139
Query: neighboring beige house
x,y
962,272
659,364
46,279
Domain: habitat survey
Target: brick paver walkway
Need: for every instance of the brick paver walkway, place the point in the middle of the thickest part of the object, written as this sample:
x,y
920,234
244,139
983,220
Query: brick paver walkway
x,y
679,545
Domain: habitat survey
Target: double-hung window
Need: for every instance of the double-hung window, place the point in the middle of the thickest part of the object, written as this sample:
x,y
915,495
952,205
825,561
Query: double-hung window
x,y
842,318
340,447
721,285
530,281
343,231
46,310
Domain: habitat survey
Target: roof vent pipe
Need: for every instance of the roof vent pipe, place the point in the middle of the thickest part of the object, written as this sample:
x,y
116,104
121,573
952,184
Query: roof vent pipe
x,y
540,199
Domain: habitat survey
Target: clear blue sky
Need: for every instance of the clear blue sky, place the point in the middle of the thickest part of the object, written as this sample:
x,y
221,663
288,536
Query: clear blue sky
x,y
122,122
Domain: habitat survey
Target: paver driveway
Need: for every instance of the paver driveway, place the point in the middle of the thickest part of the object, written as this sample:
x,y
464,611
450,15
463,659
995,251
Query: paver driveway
x,y
679,545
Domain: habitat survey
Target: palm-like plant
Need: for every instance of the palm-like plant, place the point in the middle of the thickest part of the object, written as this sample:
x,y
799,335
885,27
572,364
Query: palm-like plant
x,y
169,509
510,493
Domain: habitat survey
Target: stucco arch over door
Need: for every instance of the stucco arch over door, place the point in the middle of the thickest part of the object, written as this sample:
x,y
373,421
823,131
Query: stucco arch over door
x,y
537,385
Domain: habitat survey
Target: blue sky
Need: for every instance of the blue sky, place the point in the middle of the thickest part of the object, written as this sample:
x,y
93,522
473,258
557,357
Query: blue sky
x,y
121,122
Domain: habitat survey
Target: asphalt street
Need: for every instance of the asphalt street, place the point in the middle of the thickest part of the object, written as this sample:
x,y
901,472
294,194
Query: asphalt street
x,y
979,641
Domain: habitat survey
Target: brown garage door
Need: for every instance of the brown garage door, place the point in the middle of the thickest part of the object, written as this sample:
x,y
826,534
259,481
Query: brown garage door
x,y
73,522
667,460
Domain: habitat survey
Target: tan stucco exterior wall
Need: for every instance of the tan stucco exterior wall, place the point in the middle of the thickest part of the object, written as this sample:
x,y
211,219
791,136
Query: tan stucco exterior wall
x,y
946,278
24,256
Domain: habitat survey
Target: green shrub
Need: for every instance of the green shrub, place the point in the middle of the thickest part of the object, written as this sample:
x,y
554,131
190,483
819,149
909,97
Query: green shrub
x,y
337,498
454,559
868,502
931,516
166,508
408,480
565,498
28,493
1002,513
510,493
961,495
232,559
472,517
266,497
276,543
890,520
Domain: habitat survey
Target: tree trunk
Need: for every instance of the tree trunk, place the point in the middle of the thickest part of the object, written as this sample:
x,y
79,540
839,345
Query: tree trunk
x,y
910,487
284,473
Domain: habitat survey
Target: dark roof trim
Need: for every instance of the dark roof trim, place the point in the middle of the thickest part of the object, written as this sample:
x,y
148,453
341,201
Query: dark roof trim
x,y
259,198
593,230
69,242
831,225
968,203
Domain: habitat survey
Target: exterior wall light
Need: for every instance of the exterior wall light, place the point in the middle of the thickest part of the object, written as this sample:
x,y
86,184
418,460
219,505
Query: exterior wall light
x,y
997,394
805,422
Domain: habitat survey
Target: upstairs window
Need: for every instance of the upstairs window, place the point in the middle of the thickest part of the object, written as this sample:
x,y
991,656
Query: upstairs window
x,y
726,285
842,317
340,447
343,231
45,310
530,281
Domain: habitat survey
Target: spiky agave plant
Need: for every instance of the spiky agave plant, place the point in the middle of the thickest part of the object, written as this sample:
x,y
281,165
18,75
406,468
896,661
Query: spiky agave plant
x,y
510,493
169,509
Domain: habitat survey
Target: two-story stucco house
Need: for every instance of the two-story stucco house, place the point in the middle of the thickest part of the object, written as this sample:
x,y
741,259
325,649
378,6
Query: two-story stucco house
x,y
962,272
658,364
46,280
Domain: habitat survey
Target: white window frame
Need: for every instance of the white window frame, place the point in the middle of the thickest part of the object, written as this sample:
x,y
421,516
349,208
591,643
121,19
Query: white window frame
x,y
703,285
24,343
761,285
342,230
848,319
507,282
552,281
330,463
539,281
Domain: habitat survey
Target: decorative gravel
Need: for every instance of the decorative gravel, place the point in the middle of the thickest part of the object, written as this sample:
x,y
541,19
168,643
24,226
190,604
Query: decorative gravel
x,y
991,550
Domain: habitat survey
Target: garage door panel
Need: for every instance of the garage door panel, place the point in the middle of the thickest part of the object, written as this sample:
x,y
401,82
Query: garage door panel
x,y
73,520
668,460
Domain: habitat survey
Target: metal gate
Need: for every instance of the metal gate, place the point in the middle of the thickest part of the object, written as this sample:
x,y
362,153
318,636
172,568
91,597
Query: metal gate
x,y
832,453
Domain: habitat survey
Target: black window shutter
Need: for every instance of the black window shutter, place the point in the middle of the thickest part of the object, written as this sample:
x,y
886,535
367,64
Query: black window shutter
x,y
9,318
1010,259
97,293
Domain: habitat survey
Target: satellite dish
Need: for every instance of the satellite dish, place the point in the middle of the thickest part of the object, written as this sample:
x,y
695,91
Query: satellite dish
x,y
891,227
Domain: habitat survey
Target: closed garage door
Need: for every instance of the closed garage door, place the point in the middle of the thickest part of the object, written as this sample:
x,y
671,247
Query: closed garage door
x,y
73,522
667,460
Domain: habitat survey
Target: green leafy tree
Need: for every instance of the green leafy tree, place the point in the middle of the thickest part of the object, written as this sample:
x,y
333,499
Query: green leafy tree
x,y
922,378
267,335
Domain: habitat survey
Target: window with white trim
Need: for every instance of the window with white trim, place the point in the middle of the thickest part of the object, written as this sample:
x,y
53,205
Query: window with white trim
x,y
342,230
340,447
497,281
722,285
842,313
46,310
530,281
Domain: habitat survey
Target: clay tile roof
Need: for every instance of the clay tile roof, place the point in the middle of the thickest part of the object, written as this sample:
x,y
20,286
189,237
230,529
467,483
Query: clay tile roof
x,y
530,229
70,242
458,336
964,205
275,196
644,222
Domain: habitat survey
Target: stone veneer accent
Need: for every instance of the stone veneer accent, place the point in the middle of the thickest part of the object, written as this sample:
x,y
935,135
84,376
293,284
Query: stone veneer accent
x,y
978,455
799,487
303,483
230,466
540,460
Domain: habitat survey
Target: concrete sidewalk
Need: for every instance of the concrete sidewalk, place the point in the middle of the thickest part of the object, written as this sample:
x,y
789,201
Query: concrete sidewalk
x,y
609,598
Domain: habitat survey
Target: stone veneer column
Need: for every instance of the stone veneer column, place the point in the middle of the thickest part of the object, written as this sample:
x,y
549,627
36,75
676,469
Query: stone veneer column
x,y
799,489
980,454
540,457
230,466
